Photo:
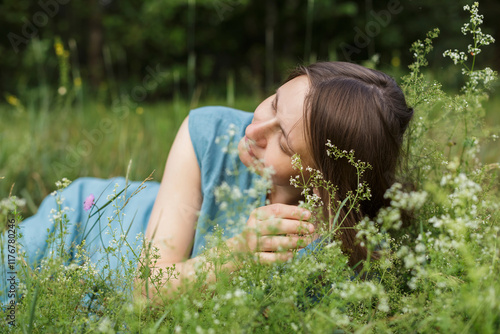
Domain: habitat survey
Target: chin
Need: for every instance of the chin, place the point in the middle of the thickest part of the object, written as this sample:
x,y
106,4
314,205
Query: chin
x,y
250,162
243,154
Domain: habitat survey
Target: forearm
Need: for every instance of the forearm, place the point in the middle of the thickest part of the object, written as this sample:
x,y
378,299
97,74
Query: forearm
x,y
271,234
165,278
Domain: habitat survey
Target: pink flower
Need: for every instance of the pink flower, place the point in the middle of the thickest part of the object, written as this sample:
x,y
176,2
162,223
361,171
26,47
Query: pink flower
x,y
89,201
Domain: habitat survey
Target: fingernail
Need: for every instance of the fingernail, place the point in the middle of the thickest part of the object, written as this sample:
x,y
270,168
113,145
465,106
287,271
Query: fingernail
x,y
307,214
311,228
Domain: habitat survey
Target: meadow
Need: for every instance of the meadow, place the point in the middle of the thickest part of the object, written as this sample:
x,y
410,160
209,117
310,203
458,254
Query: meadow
x,y
438,273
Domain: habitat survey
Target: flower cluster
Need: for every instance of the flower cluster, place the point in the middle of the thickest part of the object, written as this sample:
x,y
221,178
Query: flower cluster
x,y
63,183
458,57
480,39
9,208
227,142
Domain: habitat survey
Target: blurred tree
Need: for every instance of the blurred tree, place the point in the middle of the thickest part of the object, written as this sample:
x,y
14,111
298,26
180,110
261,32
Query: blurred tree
x,y
200,44
95,63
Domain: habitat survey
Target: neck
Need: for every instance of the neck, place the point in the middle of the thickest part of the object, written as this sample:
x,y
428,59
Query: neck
x,y
286,195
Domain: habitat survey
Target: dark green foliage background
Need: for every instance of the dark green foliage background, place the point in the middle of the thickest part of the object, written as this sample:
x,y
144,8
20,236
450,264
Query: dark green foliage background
x,y
224,37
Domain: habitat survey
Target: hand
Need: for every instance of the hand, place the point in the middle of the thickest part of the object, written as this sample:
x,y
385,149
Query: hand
x,y
274,231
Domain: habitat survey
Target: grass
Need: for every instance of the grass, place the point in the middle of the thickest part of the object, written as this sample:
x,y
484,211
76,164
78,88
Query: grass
x,y
490,152
40,146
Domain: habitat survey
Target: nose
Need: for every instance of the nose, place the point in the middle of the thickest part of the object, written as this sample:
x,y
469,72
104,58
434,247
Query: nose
x,y
259,131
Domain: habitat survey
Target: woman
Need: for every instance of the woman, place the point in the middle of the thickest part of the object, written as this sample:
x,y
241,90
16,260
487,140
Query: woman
x,y
353,107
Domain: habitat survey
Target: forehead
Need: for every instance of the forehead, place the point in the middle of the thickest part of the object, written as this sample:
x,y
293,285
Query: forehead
x,y
294,91
291,98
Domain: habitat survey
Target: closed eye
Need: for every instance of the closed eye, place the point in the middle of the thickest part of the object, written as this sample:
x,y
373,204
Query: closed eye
x,y
282,147
274,104
287,150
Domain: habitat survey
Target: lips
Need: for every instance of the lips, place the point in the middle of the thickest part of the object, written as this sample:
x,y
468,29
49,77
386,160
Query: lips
x,y
248,146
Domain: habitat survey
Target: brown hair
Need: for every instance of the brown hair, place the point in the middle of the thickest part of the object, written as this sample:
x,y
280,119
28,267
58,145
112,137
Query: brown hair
x,y
358,109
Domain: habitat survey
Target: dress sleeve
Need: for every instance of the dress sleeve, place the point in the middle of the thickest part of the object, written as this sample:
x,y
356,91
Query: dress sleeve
x,y
203,126
207,124
215,132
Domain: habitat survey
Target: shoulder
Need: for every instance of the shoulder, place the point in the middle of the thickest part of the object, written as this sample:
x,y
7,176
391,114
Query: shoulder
x,y
214,118
212,129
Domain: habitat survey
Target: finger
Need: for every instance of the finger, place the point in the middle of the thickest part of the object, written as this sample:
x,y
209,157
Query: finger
x,y
282,211
283,226
305,240
271,257
282,243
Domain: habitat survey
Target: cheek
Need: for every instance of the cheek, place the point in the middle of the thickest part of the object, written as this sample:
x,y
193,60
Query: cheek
x,y
282,169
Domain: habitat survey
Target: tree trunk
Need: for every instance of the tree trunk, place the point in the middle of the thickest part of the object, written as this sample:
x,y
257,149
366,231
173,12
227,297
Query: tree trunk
x,y
270,23
95,61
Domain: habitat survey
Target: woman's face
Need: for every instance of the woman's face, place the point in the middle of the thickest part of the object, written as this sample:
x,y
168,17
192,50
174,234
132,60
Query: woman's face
x,y
277,132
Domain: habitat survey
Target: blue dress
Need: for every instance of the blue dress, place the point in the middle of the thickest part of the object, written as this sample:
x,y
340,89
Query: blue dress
x,y
121,210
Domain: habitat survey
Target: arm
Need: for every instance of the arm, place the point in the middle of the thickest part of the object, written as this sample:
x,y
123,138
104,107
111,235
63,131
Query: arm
x,y
172,224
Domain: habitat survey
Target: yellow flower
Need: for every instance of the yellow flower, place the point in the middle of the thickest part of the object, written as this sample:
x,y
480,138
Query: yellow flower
x,y
139,110
59,48
395,61
77,82
12,100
